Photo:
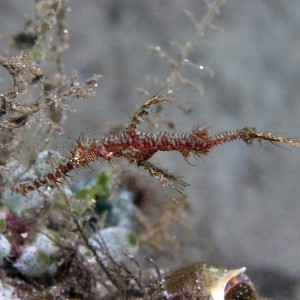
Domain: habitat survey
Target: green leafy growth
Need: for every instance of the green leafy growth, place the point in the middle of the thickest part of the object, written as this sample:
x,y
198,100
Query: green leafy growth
x,y
79,208
101,187
94,193
2,225
132,238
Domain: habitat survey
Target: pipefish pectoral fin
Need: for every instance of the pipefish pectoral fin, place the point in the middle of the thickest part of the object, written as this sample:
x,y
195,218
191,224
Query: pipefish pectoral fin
x,y
167,179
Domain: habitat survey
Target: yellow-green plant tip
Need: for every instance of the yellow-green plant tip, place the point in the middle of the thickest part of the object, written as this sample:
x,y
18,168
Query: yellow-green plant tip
x,y
132,238
2,225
